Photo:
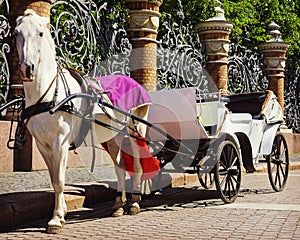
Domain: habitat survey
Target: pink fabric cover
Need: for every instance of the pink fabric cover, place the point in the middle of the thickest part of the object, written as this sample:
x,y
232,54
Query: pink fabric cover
x,y
124,92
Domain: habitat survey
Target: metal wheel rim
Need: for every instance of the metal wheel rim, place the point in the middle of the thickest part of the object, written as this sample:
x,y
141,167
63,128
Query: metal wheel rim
x,y
206,179
228,172
278,163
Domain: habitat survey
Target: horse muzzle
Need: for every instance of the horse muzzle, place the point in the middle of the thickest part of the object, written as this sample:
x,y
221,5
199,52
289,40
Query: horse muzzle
x,y
26,72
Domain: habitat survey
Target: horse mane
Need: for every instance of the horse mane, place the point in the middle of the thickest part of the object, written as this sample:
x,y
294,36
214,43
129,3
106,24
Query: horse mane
x,y
44,21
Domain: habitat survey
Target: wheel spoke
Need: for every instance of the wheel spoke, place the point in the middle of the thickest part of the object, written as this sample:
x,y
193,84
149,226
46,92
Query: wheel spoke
x,y
222,161
234,162
235,179
282,171
273,165
232,184
228,172
278,164
222,182
227,189
278,176
205,178
275,178
230,149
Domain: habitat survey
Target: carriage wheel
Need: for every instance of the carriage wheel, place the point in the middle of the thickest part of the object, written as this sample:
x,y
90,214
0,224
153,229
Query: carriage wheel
x,y
228,171
206,179
278,163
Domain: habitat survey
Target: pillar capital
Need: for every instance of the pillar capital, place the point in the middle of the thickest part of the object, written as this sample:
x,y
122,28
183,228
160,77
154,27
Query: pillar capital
x,y
157,2
143,23
143,19
274,57
274,52
215,32
215,35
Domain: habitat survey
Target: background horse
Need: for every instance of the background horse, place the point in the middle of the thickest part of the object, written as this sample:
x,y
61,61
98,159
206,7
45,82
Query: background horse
x,y
46,84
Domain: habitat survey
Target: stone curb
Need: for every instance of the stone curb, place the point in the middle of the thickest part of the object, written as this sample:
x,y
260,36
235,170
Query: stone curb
x,y
24,207
264,168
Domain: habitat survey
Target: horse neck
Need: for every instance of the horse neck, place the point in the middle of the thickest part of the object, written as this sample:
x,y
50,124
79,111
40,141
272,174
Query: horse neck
x,y
46,72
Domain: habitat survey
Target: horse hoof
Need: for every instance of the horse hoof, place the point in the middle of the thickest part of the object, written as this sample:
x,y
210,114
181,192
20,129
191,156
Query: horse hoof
x,y
134,209
118,213
54,229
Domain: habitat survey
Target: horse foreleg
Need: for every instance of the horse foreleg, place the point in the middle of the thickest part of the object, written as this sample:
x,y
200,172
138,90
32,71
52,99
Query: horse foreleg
x,y
114,151
58,170
56,223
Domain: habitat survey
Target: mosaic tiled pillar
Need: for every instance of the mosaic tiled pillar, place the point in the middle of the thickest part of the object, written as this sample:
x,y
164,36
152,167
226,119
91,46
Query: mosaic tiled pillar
x,y
274,52
215,32
143,24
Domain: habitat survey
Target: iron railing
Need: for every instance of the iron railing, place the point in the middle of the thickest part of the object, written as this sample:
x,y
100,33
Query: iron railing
x,y
292,93
90,36
245,69
5,33
180,58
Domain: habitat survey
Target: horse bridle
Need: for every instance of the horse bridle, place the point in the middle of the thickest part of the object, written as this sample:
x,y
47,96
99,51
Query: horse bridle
x,y
28,112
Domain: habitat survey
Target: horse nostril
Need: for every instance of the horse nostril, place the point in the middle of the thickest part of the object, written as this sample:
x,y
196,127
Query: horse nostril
x,y
28,72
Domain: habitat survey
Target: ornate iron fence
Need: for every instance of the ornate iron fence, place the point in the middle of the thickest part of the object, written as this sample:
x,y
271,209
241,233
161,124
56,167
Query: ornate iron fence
x,y
180,60
245,69
292,93
90,36
5,32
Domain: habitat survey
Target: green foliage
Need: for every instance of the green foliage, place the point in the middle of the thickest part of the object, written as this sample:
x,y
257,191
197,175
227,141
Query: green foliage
x,y
194,11
256,15
253,16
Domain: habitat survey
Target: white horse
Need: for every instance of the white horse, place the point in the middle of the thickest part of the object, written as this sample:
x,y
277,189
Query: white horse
x,y
45,83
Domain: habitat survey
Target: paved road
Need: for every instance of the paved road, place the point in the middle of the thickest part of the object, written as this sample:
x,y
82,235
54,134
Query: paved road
x,y
189,213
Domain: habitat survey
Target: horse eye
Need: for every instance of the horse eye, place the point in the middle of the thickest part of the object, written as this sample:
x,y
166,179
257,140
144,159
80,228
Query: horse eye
x,y
41,34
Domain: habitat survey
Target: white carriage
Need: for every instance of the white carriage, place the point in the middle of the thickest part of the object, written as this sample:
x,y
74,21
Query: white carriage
x,y
225,134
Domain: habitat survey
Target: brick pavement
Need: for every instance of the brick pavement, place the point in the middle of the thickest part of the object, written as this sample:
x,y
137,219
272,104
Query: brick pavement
x,y
188,212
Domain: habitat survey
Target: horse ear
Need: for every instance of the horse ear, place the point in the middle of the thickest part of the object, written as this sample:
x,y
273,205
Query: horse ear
x,y
18,20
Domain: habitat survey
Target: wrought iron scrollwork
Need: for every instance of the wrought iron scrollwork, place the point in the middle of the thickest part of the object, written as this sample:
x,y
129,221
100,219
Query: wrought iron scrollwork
x,y
179,58
245,70
5,32
89,35
292,94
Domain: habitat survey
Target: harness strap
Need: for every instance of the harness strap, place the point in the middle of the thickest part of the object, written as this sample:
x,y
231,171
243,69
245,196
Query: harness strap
x,y
41,98
40,108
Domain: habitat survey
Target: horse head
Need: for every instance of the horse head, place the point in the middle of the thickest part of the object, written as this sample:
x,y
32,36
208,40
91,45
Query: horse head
x,y
33,39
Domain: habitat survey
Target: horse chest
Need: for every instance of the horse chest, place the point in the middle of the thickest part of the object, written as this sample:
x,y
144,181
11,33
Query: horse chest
x,y
47,127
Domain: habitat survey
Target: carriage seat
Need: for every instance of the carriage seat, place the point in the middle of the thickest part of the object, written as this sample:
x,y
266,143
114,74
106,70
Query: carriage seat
x,y
253,103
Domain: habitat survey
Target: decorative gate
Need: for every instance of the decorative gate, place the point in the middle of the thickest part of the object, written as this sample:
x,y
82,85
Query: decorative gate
x,y
5,33
180,59
245,72
292,93
90,36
